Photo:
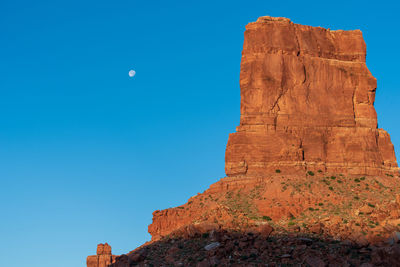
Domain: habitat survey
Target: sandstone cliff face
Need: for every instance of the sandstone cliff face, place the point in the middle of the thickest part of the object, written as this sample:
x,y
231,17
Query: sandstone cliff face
x,y
308,152
306,104
103,257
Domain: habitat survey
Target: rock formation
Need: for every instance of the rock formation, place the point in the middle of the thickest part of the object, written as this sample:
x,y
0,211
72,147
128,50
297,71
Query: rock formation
x,y
307,146
103,257
306,164
306,104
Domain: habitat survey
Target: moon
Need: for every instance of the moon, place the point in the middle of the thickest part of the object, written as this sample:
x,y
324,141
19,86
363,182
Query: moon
x,y
132,73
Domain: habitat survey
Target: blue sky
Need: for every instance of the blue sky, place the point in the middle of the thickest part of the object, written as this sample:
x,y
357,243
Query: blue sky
x,y
87,153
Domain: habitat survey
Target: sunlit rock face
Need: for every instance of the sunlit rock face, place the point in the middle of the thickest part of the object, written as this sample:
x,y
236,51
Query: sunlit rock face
x,y
307,102
103,257
307,113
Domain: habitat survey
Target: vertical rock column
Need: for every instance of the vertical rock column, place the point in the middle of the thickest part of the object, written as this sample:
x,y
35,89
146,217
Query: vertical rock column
x,y
103,258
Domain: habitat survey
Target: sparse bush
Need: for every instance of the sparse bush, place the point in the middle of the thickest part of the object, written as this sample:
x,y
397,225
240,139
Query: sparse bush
x,y
357,180
339,181
319,171
205,235
291,223
311,209
320,204
267,218
310,173
371,205
362,178
331,188
278,171
333,177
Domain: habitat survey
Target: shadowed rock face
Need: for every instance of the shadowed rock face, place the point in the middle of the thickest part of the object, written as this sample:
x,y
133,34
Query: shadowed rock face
x,y
103,257
306,104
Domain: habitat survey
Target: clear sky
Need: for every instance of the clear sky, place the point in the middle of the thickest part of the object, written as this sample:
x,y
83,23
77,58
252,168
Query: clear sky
x,y
88,153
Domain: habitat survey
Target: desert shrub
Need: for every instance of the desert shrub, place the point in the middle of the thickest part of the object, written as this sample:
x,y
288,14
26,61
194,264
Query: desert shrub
x,y
205,235
357,180
267,218
278,171
310,173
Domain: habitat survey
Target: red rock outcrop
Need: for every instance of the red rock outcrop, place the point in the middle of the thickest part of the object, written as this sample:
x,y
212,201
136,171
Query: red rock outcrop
x,y
308,155
103,257
306,104
307,160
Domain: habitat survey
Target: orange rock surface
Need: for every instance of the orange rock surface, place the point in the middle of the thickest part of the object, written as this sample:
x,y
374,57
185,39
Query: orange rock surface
x,y
306,104
103,257
307,156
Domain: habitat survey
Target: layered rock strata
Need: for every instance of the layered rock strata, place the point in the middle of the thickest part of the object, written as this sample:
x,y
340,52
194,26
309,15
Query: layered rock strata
x,y
307,158
306,104
307,146
103,257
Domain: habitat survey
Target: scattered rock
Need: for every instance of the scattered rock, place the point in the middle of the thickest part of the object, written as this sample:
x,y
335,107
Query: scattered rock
x,y
314,261
212,246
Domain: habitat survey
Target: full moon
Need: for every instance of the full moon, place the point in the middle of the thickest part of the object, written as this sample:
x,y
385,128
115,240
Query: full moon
x,y
132,73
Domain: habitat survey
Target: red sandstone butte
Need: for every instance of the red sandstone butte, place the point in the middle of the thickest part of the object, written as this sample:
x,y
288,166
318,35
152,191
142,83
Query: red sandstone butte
x,y
104,258
306,104
307,153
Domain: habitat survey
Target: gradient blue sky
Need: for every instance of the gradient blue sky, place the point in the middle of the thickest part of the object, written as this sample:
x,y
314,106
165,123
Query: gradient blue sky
x,y
87,153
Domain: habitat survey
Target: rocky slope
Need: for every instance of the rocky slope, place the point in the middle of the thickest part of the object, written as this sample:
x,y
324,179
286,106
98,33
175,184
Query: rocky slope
x,y
223,248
